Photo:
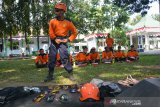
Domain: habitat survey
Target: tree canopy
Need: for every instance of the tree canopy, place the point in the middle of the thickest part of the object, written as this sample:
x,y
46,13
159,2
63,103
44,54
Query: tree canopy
x,y
30,16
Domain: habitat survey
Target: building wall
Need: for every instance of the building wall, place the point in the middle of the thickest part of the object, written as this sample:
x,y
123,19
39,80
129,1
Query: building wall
x,y
43,43
146,42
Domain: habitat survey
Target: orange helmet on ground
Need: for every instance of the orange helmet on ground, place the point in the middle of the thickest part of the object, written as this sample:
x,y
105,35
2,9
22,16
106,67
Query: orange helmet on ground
x,y
89,91
61,6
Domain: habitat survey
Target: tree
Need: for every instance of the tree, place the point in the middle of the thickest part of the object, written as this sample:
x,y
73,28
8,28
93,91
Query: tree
x,y
134,6
120,36
156,17
87,15
8,19
135,20
23,19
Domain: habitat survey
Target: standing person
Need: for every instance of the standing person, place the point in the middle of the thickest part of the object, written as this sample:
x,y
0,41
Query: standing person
x,y
58,30
109,42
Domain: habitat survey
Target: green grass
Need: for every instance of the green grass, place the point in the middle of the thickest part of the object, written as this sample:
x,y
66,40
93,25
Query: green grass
x,y
24,72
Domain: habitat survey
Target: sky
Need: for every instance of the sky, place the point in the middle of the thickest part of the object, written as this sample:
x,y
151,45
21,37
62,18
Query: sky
x,y
154,9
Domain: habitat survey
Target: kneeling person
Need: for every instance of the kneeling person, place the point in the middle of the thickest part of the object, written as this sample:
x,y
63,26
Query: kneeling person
x,y
59,63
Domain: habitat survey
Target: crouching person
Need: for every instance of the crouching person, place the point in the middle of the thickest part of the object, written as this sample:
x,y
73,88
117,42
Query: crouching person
x,y
42,59
59,63
82,57
94,56
132,55
120,55
107,56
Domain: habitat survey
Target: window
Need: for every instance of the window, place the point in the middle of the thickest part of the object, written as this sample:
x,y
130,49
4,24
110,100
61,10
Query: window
x,y
45,42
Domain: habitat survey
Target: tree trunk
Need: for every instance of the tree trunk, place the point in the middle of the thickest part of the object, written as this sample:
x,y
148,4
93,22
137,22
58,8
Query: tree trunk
x,y
26,41
11,42
37,40
2,48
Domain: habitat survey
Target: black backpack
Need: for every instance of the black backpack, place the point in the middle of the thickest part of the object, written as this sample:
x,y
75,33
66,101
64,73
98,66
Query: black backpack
x,y
12,93
110,90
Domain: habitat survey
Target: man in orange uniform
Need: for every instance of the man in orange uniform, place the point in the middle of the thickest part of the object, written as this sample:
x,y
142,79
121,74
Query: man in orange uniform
x,y
94,56
58,30
132,55
119,55
109,42
42,59
107,56
82,57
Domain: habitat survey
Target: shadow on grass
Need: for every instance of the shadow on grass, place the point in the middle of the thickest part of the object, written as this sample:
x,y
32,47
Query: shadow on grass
x,y
24,72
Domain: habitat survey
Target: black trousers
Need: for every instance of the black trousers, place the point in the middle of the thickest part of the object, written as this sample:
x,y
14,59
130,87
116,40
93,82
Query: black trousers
x,y
95,61
120,59
64,56
41,65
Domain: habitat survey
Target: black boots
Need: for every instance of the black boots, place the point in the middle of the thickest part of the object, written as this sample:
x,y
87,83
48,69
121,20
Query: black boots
x,y
71,77
49,78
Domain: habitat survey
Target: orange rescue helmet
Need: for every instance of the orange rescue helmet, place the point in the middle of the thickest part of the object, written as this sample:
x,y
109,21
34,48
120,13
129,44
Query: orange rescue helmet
x,y
88,91
61,6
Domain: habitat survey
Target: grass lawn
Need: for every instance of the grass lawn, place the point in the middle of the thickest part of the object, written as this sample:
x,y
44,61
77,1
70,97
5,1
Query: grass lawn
x,y
23,72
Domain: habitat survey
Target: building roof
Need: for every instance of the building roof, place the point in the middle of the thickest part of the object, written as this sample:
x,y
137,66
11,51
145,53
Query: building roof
x,y
96,35
146,24
147,21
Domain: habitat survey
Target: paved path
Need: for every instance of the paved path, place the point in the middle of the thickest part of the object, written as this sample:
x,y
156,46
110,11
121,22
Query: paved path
x,y
151,52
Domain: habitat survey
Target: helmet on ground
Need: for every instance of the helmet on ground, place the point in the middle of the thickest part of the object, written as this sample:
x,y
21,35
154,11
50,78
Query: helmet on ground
x,y
89,91
61,6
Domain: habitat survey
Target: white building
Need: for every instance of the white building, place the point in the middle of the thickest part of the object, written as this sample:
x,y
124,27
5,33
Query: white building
x,y
145,34
19,45
96,40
